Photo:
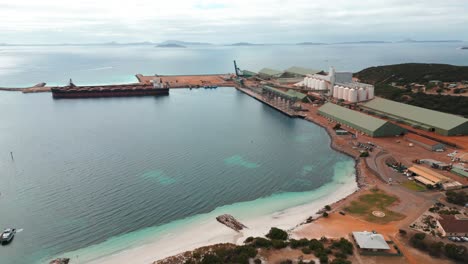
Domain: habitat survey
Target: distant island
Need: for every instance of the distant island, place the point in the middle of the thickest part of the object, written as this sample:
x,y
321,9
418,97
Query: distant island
x,y
170,46
310,43
244,44
428,41
364,42
464,48
183,43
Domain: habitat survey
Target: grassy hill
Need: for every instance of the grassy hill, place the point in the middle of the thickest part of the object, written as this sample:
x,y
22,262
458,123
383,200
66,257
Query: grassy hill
x,y
403,74
413,72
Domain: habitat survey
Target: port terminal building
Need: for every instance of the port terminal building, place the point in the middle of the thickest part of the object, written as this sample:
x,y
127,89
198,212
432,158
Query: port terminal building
x,y
418,117
363,123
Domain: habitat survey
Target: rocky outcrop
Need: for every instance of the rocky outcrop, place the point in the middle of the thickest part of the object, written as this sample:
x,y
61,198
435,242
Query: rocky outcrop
x,y
231,222
60,261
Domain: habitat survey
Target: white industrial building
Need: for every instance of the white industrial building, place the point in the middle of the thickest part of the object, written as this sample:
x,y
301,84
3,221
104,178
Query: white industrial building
x,y
340,85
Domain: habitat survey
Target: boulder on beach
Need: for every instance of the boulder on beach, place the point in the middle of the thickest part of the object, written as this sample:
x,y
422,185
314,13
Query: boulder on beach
x,y
60,261
231,222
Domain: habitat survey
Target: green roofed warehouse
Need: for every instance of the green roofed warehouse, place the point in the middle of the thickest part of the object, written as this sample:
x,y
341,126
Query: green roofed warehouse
x,y
299,72
418,117
366,124
269,73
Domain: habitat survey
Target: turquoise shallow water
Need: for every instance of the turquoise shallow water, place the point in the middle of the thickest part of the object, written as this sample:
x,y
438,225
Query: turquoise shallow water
x,y
124,170
343,175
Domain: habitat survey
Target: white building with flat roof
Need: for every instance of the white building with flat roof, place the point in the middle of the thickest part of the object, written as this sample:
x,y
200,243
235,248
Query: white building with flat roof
x,y
370,241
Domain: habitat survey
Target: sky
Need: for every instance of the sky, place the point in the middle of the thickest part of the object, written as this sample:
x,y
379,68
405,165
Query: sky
x,y
219,21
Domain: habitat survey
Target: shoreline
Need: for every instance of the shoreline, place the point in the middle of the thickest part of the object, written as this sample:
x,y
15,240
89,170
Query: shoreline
x,y
155,246
191,233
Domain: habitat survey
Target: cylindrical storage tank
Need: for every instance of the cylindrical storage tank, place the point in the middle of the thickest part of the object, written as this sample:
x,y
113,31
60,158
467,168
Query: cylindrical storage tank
x,y
317,84
370,92
345,93
306,79
335,91
323,85
362,95
353,96
340,92
309,83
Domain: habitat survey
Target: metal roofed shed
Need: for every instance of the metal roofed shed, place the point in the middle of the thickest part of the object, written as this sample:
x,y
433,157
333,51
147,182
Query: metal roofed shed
x,y
366,124
460,172
441,123
427,176
370,241
426,143
452,186
269,73
247,73
299,72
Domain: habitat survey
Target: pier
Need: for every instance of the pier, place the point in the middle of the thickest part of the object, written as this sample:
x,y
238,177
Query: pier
x,y
280,105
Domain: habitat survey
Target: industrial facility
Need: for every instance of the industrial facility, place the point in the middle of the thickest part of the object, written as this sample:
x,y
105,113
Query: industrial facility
x,y
363,123
418,117
339,85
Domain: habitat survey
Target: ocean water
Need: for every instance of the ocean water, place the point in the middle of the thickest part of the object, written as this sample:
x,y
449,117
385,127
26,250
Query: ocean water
x,y
94,170
91,177
29,65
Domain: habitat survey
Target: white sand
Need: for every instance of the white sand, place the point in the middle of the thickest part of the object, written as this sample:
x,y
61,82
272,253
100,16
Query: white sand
x,y
209,231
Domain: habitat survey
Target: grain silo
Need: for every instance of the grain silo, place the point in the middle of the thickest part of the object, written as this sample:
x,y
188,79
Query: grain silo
x,y
323,85
345,93
370,92
353,96
362,94
340,92
335,91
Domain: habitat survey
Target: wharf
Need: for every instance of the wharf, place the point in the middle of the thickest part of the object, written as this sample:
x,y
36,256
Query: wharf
x,y
260,98
188,81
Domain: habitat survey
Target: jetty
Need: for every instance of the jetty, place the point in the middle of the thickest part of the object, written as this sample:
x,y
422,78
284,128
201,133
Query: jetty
x,y
231,222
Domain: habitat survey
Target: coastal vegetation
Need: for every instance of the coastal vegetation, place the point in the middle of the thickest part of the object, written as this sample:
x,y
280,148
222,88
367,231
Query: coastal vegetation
x,y
457,105
407,73
325,250
455,252
377,200
460,197
389,79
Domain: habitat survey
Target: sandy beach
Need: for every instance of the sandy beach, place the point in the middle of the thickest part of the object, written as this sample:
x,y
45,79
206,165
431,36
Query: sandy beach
x,y
205,230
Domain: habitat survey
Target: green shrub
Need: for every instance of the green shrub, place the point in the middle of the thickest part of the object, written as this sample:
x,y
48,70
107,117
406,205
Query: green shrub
x,y
327,207
279,244
258,261
325,214
248,240
260,242
315,245
340,261
276,233
323,259
456,252
306,251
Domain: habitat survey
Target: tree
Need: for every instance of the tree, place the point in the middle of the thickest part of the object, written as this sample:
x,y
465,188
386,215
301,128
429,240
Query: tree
x,y
364,154
327,207
325,214
276,233
340,261
456,252
436,249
